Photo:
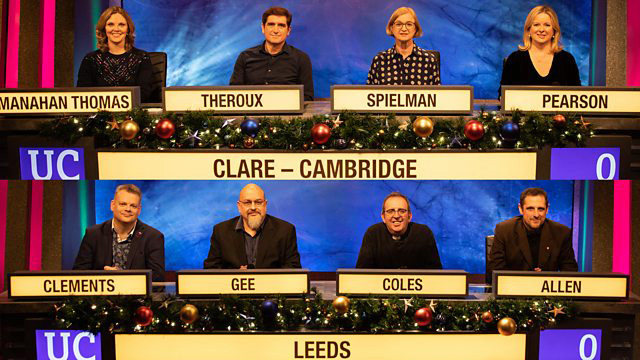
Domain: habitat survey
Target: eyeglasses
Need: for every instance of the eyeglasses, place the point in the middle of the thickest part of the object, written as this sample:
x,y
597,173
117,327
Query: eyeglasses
x,y
392,212
247,203
399,25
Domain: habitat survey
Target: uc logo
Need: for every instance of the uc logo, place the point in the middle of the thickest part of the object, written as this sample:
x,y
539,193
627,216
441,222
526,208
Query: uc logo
x,y
51,163
67,345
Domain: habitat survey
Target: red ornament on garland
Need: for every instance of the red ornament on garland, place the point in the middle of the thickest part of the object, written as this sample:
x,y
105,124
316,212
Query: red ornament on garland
x,y
165,128
559,120
487,317
423,316
143,316
474,130
320,133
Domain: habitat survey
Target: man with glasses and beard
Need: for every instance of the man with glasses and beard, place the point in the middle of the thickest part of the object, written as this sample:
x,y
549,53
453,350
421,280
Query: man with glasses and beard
x,y
396,242
253,240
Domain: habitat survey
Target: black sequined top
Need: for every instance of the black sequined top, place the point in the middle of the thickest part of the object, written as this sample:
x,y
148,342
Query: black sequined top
x,y
132,68
422,67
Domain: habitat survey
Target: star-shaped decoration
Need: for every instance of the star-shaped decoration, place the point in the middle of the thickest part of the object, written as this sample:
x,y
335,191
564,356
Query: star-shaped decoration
x,y
228,122
337,122
165,304
404,126
194,137
556,311
114,124
407,303
432,305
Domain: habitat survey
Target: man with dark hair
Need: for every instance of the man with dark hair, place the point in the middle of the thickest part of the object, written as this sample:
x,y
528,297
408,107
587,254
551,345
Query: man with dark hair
x,y
274,61
531,241
396,242
124,242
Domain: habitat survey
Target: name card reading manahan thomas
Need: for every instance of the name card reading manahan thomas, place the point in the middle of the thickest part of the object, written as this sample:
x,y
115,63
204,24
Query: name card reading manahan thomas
x,y
587,100
560,284
68,100
400,99
432,283
212,283
54,284
263,99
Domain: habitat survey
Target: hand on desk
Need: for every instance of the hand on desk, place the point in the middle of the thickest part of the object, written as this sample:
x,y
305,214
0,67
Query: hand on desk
x,y
111,268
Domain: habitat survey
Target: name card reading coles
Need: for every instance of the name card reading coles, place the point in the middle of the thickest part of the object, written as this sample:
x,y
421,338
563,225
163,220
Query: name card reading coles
x,y
68,100
54,284
585,100
560,284
432,283
213,283
401,99
263,99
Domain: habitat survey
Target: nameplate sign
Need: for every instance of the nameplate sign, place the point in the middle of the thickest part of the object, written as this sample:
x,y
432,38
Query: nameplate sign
x,y
431,283
263,99
401,99
213,283
56,101
578,285
587,100
54,284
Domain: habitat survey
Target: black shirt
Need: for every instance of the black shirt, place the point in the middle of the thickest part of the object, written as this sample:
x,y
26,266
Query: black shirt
x,y
250,242
534,244
291,66
519,70
422,67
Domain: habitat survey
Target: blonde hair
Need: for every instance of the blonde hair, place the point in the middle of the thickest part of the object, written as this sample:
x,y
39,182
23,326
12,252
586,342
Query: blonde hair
x,y
101,34
399,12
555,39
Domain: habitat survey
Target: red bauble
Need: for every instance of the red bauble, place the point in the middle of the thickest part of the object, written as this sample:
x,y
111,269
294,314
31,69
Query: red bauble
x,y
165,129
143,316
423,316
487,317
559,120
474,130
320,133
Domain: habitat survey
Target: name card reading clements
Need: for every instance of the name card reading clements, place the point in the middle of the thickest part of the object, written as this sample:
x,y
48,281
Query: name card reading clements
x,y
212,283
401,99
263,99
432,283
560,284
68,100
586,100
53,284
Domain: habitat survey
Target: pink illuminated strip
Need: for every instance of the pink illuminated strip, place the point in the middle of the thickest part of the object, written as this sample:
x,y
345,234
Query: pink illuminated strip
x,y
4,186
622,226
47,42
35,226
633,39
13,44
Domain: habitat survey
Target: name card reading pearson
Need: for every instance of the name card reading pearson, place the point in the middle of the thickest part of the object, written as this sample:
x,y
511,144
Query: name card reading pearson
x,y
263,99
68,100
212,283
53,284
432,283
560,284
586,100
401,99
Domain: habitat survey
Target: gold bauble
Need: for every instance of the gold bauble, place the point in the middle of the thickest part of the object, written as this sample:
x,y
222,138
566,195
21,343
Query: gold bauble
x,y
423,126
507,326
129,129
341,304
189,314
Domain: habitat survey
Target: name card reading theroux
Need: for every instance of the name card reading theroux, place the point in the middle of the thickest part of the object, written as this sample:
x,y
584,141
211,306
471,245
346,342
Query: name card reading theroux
x,y
206,283
68,100
433,283
52,284
585,100
267,99
402,99
560,284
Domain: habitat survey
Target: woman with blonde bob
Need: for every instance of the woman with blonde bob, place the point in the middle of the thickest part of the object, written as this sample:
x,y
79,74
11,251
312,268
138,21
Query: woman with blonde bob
x,y
405,63
117,62
541,60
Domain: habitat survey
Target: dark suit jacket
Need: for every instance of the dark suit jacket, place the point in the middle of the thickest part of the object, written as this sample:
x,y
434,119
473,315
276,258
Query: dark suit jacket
x,y
511,249
147,249
277,247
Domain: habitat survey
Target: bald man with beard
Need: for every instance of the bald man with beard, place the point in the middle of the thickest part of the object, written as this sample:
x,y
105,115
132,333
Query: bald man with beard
x,y
253,240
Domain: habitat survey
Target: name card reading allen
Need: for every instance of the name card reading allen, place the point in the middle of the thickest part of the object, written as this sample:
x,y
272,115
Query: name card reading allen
x,y
554,284
402,99
590,100
52,284
206,283
263,99
433,283
68,100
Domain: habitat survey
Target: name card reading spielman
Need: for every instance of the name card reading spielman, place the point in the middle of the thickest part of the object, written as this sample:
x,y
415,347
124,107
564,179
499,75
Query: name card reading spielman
x,y
263,99
560,284
206,283
52,284
401,99
432,283
584,100
68,100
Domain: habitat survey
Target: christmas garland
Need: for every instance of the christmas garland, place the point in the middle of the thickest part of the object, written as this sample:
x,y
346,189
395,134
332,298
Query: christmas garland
x,y
173,315
140,130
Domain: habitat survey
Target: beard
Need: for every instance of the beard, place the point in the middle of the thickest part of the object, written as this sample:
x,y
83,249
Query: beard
x,y
254,222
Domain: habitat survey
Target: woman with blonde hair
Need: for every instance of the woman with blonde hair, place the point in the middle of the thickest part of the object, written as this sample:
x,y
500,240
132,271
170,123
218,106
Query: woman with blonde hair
x,y
541,60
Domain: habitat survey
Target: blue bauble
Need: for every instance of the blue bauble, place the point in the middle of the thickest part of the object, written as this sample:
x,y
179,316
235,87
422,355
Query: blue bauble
x,y
250,127
269,309
510,131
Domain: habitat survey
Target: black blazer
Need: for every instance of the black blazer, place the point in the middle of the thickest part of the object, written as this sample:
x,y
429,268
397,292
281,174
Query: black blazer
x,y
277,247
147,249
511,249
